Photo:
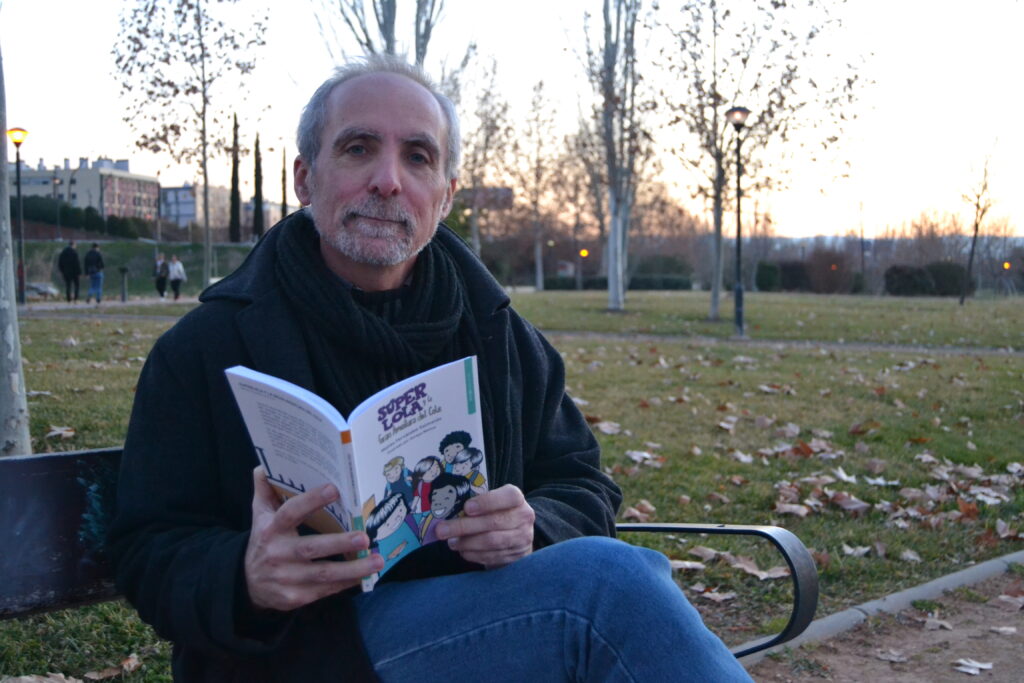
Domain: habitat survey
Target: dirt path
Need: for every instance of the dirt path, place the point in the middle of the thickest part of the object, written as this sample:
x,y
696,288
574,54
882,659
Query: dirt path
x,y
910,647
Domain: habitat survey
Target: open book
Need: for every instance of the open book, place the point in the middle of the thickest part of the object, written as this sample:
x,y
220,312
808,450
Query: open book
x,y
408,457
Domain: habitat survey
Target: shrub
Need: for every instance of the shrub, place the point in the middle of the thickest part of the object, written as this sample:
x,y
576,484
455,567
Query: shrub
x,y
637,282
793,276
859,283
767,277
948,277
829,272
663,264
903,280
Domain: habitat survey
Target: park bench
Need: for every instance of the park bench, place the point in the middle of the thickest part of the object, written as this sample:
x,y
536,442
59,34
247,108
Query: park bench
x,y
55,508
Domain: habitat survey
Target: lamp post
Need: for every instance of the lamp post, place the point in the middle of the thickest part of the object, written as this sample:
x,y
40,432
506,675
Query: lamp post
x,y
738,116
17,136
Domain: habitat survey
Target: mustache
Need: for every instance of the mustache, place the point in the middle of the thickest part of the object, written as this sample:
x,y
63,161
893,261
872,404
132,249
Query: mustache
x,y
380,209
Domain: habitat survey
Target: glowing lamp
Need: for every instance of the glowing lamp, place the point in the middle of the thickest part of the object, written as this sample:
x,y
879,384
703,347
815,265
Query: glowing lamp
x,y
737,116
17,136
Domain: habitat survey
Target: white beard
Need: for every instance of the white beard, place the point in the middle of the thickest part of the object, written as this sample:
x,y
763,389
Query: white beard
x,y
373,242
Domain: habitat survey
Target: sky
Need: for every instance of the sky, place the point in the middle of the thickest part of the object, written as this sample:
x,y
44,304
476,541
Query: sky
x,y
945,98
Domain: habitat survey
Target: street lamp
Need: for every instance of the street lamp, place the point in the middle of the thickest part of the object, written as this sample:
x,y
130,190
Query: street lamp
x,y
17,136
738,116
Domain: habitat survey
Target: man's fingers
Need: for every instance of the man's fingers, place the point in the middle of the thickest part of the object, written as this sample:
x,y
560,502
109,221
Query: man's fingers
x,y
520,518
297,509
264,498
506,497
316,546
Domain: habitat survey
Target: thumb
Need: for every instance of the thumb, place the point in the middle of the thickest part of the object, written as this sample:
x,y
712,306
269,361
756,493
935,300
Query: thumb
x,y
264,499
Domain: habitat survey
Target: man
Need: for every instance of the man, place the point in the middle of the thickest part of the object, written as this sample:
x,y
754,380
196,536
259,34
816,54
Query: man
x,y
94,269
70,269
160,273
356,291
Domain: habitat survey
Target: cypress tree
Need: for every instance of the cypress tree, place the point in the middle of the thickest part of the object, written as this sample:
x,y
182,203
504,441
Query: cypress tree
x,y
257,199
235,222
284,184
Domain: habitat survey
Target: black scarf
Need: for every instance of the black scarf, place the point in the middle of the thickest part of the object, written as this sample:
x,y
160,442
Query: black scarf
x,y
361,342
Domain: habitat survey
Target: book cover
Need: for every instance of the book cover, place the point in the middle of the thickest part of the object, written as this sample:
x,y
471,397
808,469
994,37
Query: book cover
x,y
406,458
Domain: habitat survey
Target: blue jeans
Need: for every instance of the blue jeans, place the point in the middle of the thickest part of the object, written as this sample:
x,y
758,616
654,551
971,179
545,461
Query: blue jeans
x,y
95,286
589,609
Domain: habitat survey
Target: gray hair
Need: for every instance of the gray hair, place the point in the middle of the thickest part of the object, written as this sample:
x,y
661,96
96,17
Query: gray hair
x,y
314,115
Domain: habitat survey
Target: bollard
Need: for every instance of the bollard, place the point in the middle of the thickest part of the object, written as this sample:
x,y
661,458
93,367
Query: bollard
x,y
124,284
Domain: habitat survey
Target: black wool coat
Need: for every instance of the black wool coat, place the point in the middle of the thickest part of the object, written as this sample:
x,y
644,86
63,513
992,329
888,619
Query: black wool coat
x,y
184,497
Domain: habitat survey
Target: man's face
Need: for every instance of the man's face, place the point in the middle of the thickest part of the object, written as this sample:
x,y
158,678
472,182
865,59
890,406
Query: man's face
x,y
442,501
378,187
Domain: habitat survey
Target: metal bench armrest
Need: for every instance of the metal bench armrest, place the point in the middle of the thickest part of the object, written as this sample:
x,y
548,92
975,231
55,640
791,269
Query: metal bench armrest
x,y
801,568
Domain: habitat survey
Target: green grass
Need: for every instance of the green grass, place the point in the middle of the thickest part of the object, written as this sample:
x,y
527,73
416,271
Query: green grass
x,y
990,322
878,411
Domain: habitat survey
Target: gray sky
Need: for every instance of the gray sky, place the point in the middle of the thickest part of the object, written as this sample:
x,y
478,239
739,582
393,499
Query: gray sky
x,y
946,97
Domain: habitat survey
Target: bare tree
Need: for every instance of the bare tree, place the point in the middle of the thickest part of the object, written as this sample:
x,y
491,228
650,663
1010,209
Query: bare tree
x,y
14,432
612,69
381,39
764,59
534,170
487,136
171,56
980,200
589,149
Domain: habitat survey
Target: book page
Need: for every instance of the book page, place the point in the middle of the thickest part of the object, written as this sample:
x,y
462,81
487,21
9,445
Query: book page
x,y
298,438
419,453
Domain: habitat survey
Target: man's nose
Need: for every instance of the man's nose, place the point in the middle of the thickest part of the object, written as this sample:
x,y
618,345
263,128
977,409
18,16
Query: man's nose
x,y
386,176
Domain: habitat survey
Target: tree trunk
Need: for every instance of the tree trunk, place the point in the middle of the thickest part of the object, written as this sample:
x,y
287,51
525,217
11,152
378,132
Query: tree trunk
x,y
970,264
616,258
538,254
14,432
207,239
716,245
474,227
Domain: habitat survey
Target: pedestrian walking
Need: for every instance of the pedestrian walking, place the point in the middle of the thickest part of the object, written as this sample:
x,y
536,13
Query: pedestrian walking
x,y
70,269
94,269
176,272
160,272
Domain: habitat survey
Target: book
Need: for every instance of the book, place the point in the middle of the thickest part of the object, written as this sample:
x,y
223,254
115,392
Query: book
x,y
406,458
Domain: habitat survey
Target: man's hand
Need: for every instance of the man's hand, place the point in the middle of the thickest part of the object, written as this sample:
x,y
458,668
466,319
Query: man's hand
x,y
496,530
279,564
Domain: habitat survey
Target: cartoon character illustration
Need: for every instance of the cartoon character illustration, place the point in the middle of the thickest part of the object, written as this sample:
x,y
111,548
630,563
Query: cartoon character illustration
x,y
399,479
391,529
423,474
448,494
453,444
467,464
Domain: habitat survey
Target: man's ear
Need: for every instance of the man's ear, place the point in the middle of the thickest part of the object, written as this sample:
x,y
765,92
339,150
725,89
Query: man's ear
x,y
449,198
303,181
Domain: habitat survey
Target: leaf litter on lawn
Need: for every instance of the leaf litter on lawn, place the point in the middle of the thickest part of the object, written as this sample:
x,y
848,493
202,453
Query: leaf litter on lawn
x,y
829,457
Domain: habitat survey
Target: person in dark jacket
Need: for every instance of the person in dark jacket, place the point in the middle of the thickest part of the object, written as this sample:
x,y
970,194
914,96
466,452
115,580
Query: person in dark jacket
x,y
161,271
362,288
70,269
94,269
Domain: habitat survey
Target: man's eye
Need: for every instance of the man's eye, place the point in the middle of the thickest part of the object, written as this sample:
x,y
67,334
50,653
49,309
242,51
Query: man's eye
x,y
419,158
355,150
